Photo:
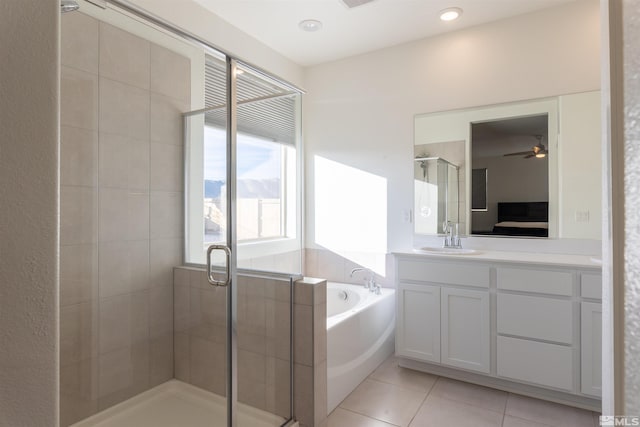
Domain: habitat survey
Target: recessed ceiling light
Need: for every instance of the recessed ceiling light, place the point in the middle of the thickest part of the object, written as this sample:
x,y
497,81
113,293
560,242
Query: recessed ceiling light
x,y
310,25
450,13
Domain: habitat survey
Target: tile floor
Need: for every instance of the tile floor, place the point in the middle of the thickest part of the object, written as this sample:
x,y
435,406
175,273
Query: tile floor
x,y
395,396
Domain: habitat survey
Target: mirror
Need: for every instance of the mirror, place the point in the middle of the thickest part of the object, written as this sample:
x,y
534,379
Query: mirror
x,y
439,178
532,168
510,177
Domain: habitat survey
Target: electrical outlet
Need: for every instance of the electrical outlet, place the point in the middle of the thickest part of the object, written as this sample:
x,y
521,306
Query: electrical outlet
x,y
582,216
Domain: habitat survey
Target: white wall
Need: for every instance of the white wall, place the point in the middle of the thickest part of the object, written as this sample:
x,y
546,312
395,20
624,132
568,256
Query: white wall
x,y
197,20
359,111
29,212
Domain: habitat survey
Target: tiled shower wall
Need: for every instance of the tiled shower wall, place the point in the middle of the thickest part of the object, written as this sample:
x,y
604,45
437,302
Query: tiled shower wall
x,y
264,341
264,313
121,212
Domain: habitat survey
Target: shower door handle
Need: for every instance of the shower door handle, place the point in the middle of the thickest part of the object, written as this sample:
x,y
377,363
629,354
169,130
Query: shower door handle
x,y
227,253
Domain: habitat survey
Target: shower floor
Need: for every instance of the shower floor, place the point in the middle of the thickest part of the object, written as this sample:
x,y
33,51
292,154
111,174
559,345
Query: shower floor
x,y
175,403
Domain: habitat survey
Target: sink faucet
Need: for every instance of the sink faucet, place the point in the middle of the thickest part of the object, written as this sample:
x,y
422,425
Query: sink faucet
x,y
451,238
369,283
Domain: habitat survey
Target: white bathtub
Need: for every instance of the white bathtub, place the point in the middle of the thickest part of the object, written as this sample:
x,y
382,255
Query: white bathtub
x,y
360,336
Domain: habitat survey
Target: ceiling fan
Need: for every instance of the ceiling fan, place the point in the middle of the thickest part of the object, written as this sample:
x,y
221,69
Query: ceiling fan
x,y
539,150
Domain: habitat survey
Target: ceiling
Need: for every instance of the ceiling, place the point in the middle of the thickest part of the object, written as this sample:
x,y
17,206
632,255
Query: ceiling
x,y
347,32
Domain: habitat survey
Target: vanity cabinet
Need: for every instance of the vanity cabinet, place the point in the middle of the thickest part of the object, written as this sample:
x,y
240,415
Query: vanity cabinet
x,y
535,328
525,327
442,316
418,323
591,334
465,329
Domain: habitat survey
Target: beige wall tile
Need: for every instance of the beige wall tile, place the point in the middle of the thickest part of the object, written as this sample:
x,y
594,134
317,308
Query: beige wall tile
x,y
320,332
123,267
251,314
123,321
124,162
124,215
166,168
252,367
78,99
79,42
170,73
320,393
166,215
207,365
78,156
124,109
160,311
78,274
252,393
78,215
122,374
278,387
181,308
181,276
78,338
123,56
161,365
303,293
181,348
78,391
303,338
165,255
166,119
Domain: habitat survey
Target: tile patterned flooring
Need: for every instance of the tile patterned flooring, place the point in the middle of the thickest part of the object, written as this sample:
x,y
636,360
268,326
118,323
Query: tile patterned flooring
x,y
395,396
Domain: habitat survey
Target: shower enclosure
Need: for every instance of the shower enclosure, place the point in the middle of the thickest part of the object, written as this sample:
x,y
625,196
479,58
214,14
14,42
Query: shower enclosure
x,y
436,194
167,148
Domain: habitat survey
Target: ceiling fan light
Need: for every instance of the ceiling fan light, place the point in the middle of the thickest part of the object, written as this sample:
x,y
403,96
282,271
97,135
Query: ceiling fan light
x,y
541,155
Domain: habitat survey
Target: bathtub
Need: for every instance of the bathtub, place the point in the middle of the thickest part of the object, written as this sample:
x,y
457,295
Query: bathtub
x,y
360,336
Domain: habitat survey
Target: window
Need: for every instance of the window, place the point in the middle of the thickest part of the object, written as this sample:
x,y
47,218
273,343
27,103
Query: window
x,y
263,186
267,201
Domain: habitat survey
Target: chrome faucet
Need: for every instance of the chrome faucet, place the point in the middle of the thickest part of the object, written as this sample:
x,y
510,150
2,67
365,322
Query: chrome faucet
x,y
451,238
369,283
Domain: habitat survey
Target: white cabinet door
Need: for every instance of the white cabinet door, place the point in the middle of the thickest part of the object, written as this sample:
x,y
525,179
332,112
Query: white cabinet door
x,y
591,348
418,322
465,331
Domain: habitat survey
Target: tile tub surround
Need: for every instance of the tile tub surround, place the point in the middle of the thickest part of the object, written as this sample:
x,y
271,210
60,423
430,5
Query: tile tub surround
x,y
337,267
310,352
121,219
396,396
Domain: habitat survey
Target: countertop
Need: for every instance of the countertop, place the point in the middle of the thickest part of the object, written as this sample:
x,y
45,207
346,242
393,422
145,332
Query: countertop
x,y
564,260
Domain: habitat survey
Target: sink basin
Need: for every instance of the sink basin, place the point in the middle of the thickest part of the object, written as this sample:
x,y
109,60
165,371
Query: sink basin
x,y
450,251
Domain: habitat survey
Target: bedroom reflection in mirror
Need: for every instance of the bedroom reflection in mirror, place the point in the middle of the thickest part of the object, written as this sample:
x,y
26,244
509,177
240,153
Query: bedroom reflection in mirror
x,y
513,155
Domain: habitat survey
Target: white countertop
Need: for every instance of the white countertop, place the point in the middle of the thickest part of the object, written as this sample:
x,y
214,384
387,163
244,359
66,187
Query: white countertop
x,y
565,260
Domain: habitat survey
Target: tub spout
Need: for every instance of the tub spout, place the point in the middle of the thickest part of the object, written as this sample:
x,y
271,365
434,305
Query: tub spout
x,y
369,282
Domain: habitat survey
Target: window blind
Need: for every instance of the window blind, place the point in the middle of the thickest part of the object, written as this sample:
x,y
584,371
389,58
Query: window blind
x,y
264,109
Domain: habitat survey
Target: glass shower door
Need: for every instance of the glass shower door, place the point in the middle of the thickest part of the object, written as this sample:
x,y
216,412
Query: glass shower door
x,y
244,161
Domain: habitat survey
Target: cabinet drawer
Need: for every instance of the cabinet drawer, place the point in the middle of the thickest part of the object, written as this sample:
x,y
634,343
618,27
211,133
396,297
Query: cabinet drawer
x,y
450,273
591,285
539,281
535,362
535,317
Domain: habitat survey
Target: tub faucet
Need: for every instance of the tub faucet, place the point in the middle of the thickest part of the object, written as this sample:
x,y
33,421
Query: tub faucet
x,y
369,283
